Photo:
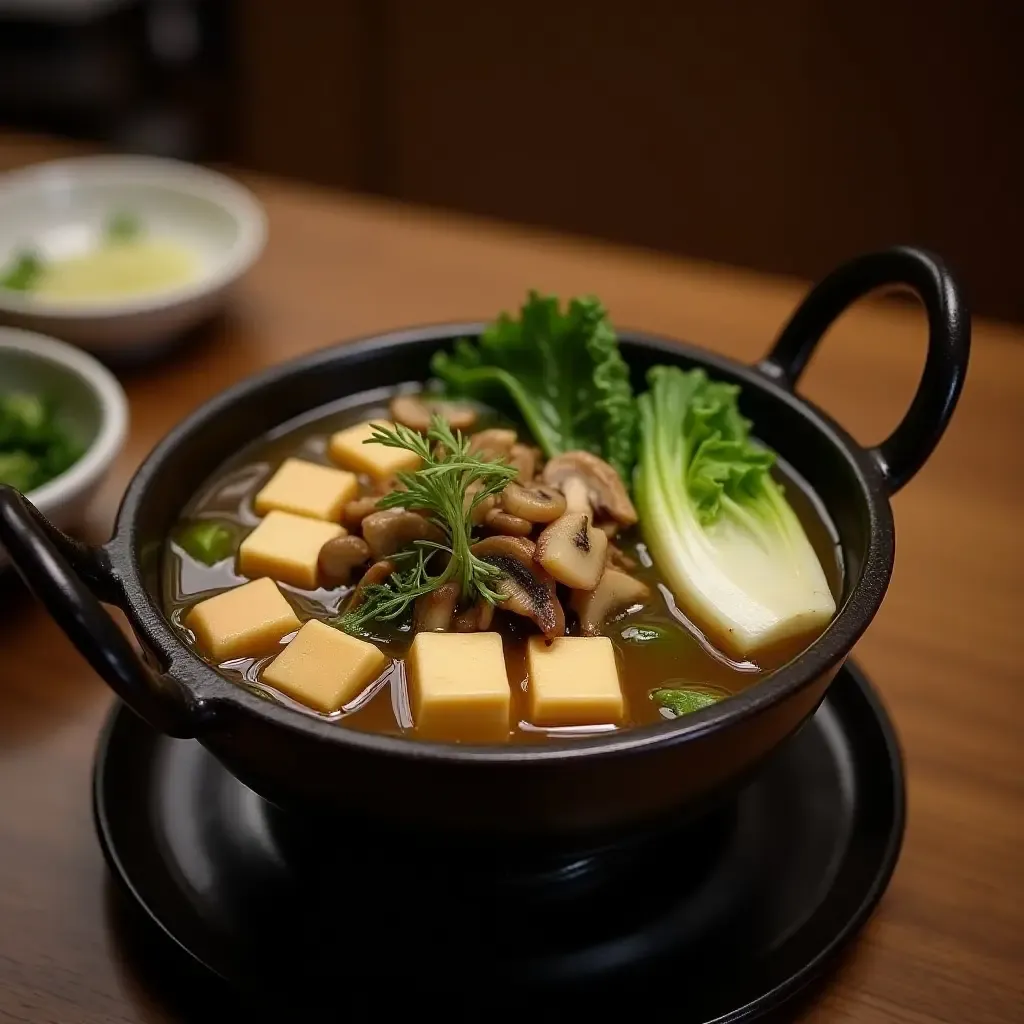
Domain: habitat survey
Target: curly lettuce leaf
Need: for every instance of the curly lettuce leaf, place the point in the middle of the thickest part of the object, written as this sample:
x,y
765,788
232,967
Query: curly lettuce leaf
x,y
562,372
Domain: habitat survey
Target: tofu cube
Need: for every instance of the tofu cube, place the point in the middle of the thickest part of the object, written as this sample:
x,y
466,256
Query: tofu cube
x,y
376,460
306,489
458,686
573,681
286,547
325,668
246,621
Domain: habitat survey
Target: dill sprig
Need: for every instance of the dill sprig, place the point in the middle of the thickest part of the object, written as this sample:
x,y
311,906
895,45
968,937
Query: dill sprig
x,y
438,488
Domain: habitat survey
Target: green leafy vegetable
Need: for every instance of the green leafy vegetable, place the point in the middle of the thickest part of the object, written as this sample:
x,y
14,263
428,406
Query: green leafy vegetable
x,y
438,488
718,526
34,445
208,540
562,372
123,227
642,634
683,702
23,272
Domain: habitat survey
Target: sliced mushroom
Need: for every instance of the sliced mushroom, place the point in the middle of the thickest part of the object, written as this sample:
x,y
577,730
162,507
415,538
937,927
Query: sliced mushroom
x,y
573,551
387,485
523,460
619,559
476,619
483,507
528,590
579,473
415,412
357,510
577,496
493,443
339,557
504,522
609,528
433,612
392,529
377,573
536,503
616,592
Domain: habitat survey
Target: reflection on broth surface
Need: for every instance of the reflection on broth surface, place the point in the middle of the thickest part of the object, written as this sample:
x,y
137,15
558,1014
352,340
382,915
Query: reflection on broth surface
x,y
654,646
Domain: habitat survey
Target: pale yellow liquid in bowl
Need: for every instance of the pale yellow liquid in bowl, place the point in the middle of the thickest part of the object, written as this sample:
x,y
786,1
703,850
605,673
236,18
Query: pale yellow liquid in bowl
x,y
123,269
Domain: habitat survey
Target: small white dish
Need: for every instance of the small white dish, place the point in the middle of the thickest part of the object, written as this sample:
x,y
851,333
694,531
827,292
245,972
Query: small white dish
x,y
92,406
60,208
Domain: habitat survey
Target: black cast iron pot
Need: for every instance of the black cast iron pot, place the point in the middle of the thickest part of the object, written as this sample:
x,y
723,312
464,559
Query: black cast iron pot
x,y
560,789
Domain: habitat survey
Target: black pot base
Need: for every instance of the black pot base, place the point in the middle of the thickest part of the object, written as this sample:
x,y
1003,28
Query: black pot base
x,y
722,919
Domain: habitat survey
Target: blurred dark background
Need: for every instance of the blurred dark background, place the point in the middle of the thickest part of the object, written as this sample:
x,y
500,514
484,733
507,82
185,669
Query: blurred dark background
x,y
783,136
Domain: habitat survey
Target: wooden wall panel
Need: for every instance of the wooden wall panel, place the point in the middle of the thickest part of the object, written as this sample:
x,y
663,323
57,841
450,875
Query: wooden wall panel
x,y
784,136
307,90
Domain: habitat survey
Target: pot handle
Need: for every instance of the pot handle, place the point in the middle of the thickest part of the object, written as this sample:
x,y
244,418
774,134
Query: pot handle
x,y
907,448
68,578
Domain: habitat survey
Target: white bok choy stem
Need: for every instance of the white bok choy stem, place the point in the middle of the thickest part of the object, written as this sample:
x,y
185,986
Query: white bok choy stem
x,y
719,528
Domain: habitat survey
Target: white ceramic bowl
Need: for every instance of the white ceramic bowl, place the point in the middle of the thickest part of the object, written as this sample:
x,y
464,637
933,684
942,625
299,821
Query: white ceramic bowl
x,y
60,208
92,406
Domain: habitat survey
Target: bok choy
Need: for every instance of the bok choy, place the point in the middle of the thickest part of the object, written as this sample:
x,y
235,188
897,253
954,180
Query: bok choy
x,y
718,526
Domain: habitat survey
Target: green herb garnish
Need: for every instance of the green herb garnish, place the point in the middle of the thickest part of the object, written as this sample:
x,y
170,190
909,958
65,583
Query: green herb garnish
x,y
34,446
642,634
438,489
23,272
123,227
561,372
684,702
208,541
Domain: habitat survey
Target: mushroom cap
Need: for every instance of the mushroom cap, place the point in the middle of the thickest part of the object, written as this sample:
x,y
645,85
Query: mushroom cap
x,y
524,460
476,619
504,522
415,412
357,510
605,488
377,573
339,556
535,503
616,592
573,551
433,612
482,507
392,529
492,443
528,590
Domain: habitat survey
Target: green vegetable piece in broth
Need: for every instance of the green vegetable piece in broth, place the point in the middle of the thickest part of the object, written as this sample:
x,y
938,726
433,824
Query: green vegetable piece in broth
x,y
208,541
642,634
23,272
683,701
718,527
562,372
123,227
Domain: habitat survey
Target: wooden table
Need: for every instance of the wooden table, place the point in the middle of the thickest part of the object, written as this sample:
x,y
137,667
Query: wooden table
x,y
947,943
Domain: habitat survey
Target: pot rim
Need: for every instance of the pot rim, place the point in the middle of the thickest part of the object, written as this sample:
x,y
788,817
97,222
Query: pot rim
x,y
214,697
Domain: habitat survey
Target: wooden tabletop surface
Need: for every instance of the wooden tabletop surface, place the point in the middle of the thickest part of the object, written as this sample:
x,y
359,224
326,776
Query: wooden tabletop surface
x,y
946,944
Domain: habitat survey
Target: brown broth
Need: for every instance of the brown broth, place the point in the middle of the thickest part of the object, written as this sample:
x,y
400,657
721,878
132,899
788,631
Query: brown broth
x,y
678,656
